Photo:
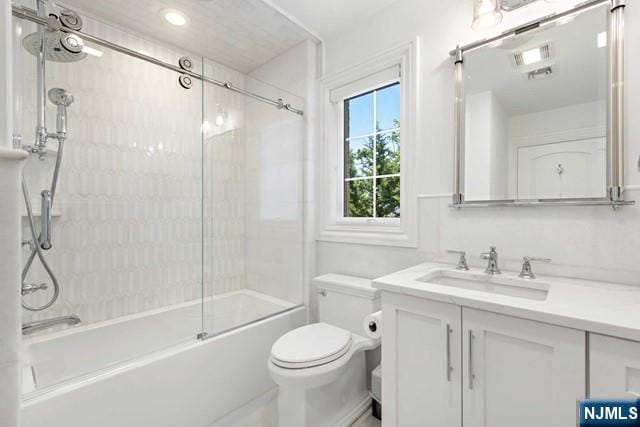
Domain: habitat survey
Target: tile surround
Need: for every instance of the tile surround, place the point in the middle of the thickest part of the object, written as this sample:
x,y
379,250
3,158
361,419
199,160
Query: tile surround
x,y
129,233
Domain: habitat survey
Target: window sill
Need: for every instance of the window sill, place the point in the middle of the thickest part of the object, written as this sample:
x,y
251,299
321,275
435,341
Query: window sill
x,y
368,234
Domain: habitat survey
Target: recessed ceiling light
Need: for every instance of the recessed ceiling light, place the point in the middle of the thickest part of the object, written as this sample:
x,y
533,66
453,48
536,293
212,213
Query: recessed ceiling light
x,y
174,17
531,56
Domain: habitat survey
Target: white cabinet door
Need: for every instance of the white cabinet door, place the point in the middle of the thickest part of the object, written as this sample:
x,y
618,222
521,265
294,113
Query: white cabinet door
x,y
421,362
614,368
520,373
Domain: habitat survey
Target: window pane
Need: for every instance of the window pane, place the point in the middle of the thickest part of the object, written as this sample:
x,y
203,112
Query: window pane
x,y
359,113
388,197
388,153
388,107
359,157
359,198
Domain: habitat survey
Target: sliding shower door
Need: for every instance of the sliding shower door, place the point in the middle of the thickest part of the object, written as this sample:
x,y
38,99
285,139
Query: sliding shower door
x,y
253,203
127,216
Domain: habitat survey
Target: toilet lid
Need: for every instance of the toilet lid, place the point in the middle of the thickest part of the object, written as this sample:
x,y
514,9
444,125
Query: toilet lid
x,y
311,345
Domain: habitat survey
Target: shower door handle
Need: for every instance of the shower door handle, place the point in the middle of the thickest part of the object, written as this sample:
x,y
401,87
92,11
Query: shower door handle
x,y
45,217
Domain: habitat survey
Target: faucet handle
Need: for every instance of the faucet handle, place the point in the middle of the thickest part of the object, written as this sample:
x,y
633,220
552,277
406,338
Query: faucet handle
x,y
527,272
462,261
487,255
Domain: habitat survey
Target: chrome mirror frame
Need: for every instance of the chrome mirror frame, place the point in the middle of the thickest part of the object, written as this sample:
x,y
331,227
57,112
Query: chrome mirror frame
x,y
615,113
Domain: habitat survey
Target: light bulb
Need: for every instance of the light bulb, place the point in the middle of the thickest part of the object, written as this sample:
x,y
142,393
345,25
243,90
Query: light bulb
x,y
486,13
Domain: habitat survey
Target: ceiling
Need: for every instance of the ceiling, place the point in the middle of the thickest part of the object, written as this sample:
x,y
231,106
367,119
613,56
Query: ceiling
x,y
242,34
579,67
329,17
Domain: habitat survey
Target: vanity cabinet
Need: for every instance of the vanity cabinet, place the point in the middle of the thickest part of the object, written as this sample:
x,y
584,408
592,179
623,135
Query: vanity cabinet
x,y
508,371
519,372
614,367
422,352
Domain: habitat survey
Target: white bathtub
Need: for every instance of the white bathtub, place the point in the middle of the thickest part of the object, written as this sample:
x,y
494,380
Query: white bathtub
x,y
149,369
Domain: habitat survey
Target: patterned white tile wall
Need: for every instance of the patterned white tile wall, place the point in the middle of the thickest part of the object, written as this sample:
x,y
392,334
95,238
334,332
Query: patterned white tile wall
x,y
129,235
274,197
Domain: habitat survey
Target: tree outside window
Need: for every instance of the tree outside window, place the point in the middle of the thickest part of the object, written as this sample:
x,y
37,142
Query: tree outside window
x,y
372,154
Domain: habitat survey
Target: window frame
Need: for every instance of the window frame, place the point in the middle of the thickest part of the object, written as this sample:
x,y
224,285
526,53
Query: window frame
x,y
368,75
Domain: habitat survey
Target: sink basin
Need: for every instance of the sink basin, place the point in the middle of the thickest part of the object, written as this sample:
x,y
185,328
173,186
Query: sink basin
x,y
502,285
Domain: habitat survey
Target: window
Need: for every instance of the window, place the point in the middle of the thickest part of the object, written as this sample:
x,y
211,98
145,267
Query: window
x,y
366,179
372,154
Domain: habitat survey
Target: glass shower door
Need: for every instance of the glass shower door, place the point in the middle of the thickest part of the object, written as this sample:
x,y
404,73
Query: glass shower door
x,y
253,203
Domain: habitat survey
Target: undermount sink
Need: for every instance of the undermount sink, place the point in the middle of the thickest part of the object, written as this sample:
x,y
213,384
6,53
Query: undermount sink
x,y
510,286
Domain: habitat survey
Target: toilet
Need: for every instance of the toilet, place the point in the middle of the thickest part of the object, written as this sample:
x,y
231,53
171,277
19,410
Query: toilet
x,y
321,368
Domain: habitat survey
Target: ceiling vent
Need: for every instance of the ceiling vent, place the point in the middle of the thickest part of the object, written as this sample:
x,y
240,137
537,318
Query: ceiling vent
x,y
533,57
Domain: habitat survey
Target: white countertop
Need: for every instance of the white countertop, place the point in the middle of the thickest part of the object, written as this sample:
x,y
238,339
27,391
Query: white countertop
x,y
600,307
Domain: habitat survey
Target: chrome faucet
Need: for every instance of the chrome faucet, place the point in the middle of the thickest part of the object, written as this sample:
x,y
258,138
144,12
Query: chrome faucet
x,y
492,256
31,327
462,261
527,272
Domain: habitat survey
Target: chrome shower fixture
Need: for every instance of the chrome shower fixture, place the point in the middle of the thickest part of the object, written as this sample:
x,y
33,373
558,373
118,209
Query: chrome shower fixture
x,y
62,99
58,46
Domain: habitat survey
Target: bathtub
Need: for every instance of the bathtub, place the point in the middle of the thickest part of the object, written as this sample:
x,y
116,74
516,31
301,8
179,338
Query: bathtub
x,y
150,370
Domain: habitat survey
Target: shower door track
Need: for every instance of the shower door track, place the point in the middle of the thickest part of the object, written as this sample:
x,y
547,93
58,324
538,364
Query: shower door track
x,y
30,15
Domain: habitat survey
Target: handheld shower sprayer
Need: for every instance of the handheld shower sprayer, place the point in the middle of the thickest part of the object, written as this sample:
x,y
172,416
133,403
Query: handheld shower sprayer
x,y
62,99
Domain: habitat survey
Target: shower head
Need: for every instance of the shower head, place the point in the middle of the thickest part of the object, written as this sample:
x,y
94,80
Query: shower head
x,y
59,96
58,46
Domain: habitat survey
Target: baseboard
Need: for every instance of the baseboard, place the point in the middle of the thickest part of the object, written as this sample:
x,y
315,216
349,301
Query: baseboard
x,y
356,413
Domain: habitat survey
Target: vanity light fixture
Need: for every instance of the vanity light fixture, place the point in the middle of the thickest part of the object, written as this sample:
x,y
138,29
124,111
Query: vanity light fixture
x,y
486,14
174,17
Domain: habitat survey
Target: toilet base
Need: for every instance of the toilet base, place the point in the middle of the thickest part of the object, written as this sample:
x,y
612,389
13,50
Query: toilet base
x,y
338,403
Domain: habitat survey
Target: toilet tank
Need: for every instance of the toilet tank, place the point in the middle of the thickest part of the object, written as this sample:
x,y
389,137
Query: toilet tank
x,y
344,301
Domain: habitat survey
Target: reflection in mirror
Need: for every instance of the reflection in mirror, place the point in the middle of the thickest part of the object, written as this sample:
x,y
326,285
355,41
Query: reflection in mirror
x,y
535,113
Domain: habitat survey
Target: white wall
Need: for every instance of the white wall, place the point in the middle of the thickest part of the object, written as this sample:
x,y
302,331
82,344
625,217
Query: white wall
x,y
486,148
9,238
588,242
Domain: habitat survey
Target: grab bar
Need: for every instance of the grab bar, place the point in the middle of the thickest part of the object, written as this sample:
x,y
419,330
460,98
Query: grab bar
x,y
45,213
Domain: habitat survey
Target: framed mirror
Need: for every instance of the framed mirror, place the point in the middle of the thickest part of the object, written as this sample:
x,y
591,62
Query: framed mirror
x,y
539,112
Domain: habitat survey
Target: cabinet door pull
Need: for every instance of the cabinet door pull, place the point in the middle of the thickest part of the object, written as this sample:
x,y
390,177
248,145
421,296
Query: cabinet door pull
x,y
449,367
471,374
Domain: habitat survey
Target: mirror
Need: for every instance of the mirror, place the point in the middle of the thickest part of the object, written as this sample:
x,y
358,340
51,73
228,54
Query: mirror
x,y
535,113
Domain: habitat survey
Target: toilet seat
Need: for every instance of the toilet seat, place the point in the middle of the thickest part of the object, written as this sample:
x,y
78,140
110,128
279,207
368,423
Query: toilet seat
x,y
312,345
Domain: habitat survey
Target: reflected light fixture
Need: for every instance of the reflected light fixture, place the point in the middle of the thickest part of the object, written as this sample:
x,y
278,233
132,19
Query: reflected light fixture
x,y
221,117
174,17
602,39
486,14
91,51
